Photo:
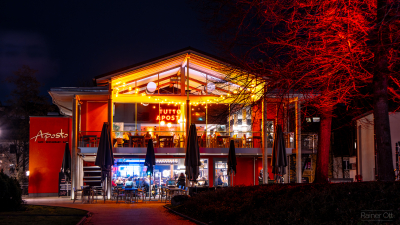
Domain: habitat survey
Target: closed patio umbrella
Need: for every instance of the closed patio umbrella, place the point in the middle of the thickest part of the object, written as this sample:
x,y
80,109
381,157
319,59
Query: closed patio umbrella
x,y
232,160
279,159
66,164
105,156
192,158
150,161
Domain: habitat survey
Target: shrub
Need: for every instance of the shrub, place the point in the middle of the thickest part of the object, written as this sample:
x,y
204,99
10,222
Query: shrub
x,y
179,199
10,193
294,203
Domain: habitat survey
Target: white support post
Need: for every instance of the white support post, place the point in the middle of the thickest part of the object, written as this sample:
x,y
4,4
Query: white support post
x,y
74,164
265,145
298,142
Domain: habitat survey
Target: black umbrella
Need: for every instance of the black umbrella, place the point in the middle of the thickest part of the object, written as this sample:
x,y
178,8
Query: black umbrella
x,y
232,158
66,163
279,159
150,160
192,159
105,156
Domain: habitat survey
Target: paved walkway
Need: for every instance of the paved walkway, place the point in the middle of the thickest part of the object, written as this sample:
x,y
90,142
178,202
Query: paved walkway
x,y
121,213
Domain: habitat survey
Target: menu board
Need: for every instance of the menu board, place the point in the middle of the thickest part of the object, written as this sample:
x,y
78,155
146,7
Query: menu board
x,y
64,187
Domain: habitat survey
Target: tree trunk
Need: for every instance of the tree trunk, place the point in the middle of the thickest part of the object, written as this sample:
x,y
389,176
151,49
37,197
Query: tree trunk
x,y
381,112
324,143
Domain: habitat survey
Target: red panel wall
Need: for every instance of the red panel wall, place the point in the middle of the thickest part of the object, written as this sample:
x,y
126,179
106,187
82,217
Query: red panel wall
x,y
93,115
48,136
244,171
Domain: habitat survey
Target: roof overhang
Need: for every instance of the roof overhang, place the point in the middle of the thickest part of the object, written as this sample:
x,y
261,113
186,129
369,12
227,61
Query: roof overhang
x,y
63,96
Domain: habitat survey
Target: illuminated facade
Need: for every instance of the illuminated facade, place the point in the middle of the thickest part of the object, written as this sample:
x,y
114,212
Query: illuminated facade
x,y
158,99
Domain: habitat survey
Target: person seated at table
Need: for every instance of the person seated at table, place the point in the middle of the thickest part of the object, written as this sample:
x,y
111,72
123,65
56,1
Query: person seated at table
x,y
129,183
147,135
126,135
137,132
220,180
119,181
113,183
204,138
139,182
181,180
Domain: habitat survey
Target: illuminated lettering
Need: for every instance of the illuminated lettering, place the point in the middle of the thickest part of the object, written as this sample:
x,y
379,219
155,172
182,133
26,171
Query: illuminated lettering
x,y
47,135
178,111
168,117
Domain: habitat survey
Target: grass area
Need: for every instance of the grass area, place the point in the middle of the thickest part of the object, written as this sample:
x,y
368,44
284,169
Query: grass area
x,y
298,204
38,215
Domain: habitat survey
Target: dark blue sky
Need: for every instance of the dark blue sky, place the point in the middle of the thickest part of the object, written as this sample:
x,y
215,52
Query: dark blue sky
x,y
72,41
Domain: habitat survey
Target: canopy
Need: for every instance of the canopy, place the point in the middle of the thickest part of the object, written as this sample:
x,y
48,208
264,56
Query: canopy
x,y
279,159
232,158
66,163
105,156
150,160
192,159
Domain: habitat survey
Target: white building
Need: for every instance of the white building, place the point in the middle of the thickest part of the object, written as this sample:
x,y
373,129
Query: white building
x,y
366,157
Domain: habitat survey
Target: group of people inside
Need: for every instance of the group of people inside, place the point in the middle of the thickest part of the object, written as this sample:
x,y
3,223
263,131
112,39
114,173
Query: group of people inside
x,y
136,182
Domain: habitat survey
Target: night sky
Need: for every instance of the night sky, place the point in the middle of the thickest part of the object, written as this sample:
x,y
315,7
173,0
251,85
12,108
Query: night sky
x,y
70,42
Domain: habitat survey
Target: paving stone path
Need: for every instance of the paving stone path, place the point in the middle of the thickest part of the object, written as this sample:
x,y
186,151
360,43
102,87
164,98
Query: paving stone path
x,y
121,213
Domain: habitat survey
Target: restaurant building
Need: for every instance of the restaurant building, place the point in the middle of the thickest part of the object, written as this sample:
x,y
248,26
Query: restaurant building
x,y
158,99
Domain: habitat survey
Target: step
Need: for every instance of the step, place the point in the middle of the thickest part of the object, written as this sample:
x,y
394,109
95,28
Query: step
x,y
92,171
92,177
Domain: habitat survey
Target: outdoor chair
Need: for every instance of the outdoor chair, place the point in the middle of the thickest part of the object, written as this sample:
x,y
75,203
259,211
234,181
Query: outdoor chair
x,y
76,193
162,194
99,191
120,193
185,190
141,193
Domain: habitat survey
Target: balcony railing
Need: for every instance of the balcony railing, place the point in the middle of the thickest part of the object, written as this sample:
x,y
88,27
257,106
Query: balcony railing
x,y
176,139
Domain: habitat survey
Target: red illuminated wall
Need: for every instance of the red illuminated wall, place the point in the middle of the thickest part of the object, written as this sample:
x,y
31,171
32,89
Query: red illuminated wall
x,y
46,150
93,115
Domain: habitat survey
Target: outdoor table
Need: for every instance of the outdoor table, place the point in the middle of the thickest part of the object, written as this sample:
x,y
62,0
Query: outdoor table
x,y
87,139
137,140
167,140
87,191
129,192
222,139
172,191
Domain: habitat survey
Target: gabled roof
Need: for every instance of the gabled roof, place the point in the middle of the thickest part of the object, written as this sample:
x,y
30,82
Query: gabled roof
x,y
103,78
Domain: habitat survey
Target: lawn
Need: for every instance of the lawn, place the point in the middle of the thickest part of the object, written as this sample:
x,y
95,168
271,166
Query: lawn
x,y
347,203
38,215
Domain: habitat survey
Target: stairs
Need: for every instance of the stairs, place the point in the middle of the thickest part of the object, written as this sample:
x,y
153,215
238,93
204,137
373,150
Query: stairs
x,y
92,176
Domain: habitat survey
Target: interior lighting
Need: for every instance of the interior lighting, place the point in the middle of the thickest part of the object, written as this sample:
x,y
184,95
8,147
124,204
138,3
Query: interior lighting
x,y
130,88
162,123
169,125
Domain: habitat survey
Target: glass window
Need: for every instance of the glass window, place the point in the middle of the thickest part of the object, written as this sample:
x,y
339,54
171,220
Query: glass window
x,y
166,169
221,178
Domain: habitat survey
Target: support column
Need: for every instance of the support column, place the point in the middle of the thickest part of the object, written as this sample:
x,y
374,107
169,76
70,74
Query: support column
x,y
265,137
110,130
183,81
298,141
74,145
